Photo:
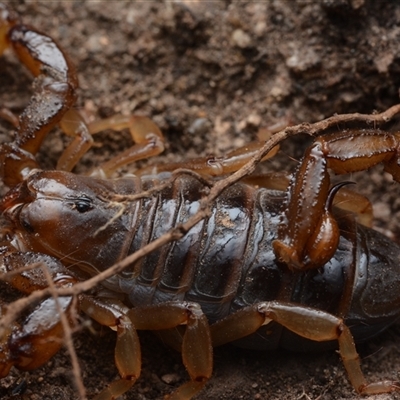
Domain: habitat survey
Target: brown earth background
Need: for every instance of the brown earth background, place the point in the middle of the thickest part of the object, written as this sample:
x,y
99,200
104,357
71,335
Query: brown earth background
x,y
211,74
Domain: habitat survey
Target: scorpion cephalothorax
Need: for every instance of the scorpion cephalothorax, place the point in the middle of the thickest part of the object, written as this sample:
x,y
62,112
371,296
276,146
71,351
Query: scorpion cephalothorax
x,y
241,255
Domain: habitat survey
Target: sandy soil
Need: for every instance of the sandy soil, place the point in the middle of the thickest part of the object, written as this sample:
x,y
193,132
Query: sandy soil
x,y
212,74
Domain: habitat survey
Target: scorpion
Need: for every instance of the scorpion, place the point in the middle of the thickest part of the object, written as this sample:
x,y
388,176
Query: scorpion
x,y
276,263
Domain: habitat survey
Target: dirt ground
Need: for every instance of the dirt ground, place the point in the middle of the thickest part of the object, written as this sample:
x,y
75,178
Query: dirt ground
x,y
211,74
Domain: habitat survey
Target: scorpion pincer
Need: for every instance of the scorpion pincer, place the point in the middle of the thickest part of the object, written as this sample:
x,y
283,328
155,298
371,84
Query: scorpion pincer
x,y
265,267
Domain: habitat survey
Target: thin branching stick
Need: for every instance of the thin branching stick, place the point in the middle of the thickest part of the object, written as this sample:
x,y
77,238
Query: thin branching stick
x,y
312,129
13,309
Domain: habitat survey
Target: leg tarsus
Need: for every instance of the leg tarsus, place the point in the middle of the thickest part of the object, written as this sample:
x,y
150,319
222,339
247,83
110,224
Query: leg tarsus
x,y
351,361
187,390
115,389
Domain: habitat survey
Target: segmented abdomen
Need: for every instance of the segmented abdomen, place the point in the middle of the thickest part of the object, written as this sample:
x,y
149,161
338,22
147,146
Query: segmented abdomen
x,y
211,263
226,261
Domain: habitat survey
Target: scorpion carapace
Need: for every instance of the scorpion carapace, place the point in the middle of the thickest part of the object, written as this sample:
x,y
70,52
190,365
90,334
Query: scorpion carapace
x,y
259,266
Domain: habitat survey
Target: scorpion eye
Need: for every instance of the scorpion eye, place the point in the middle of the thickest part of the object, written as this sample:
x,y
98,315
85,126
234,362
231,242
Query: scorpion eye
x,y
27,226
82,204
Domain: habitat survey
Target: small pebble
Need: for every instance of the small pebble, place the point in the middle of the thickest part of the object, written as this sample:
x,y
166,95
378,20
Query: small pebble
x,y
241,38
170,378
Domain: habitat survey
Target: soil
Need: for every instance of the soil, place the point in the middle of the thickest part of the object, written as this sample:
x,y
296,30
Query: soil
x,y
212,74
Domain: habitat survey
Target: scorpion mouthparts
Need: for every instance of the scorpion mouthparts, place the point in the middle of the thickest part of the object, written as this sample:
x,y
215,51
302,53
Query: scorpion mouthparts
x,y
18,195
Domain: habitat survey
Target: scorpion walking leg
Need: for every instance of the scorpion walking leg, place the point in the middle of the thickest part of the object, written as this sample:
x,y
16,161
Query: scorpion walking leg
x,y
307,322
309,234
211,165
196,344
145,133
217,166
111,313
73,125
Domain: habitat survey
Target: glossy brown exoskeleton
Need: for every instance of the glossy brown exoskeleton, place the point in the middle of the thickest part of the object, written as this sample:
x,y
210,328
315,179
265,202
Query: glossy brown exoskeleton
x,y
264,268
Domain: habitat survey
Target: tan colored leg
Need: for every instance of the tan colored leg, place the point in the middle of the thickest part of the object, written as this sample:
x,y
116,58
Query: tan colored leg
x,y
196,344
237,325
356,203
113,314
73,125
213,166
148,139
306,322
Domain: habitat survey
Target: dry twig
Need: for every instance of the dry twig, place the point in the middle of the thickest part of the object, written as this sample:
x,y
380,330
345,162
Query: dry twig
x,y
313,129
